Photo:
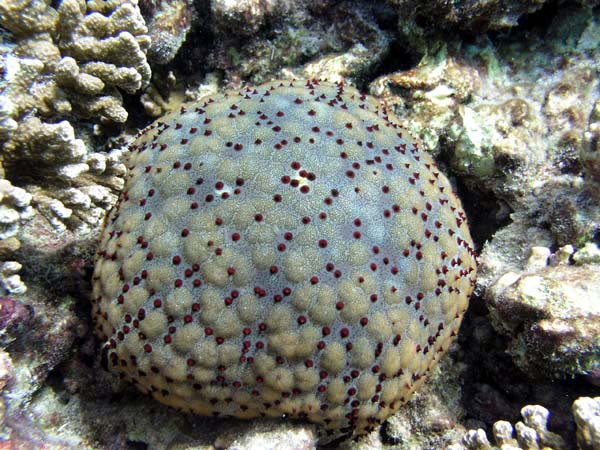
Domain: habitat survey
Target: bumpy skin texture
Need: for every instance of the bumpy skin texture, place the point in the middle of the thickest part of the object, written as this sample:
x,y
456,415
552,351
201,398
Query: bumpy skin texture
x,y
282,250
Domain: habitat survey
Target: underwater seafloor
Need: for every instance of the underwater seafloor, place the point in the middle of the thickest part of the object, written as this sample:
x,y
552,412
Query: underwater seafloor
x,y
503,93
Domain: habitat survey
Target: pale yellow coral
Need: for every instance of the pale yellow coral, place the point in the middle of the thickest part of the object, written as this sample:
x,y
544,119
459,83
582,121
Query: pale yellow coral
x,y
28,17
70,58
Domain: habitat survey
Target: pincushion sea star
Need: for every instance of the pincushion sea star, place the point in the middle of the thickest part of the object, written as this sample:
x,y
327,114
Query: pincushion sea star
x,y
287,249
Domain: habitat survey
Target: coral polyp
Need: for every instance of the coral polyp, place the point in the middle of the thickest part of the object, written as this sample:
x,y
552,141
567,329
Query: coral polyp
x,y
282,250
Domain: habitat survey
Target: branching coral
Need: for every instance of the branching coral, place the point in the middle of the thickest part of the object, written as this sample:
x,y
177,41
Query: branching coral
x,y
586,411
76,57
14,207
532,433
67,61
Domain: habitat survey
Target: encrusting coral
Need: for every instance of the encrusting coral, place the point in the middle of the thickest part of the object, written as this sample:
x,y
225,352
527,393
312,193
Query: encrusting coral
x,y
287,249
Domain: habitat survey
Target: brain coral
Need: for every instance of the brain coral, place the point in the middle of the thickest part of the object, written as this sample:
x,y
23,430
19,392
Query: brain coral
x,y
284,250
